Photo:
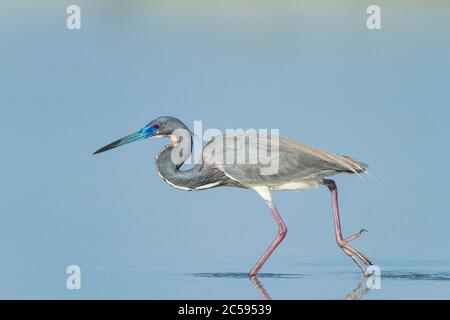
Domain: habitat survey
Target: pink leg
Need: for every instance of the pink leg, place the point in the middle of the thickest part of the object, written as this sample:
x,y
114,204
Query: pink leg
x,y
343,243
282,230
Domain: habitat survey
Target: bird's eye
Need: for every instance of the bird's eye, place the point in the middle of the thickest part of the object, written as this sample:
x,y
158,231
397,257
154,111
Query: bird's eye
x,y
156,126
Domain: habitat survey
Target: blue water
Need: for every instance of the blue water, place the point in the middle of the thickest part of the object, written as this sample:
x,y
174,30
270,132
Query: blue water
x,y
133,277
310,69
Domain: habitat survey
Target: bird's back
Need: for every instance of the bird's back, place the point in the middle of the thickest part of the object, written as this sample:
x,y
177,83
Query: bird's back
x,y
253,159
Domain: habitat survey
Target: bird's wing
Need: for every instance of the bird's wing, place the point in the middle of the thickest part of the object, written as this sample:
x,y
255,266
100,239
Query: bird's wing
x,y
254,159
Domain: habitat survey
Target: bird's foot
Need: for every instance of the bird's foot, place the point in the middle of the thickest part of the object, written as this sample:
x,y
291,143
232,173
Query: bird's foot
x,y
344,246
353,253
356,235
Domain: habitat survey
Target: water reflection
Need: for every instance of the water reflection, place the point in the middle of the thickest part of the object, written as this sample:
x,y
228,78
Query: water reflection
x,y
360,291
402,275
258,285
244,275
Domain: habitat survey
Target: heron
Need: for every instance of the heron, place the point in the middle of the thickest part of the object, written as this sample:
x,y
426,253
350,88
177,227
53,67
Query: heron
x,y
300,167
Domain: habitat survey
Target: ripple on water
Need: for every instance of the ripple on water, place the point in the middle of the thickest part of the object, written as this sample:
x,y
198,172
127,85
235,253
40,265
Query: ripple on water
x,y
399,275
240,275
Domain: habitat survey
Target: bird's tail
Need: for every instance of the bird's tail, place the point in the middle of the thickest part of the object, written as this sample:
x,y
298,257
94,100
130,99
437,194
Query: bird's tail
x,y
355,166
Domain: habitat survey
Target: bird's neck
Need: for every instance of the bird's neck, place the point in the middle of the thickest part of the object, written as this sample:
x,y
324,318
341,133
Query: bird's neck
x,y
168,170
169,161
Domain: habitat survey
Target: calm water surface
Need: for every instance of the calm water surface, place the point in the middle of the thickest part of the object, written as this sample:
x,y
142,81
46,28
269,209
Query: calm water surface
x,y
311,69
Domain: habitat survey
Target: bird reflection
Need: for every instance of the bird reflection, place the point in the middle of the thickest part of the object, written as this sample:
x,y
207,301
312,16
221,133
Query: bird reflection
x,y
260,288
363,286
358,293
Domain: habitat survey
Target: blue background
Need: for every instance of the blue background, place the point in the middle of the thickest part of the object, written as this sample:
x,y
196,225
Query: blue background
x,y
313,70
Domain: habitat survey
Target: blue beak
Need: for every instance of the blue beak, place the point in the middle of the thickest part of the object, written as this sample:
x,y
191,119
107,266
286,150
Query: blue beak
x,y
141,134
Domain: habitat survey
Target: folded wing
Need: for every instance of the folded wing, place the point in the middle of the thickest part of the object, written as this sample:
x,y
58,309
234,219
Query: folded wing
x,y
255,159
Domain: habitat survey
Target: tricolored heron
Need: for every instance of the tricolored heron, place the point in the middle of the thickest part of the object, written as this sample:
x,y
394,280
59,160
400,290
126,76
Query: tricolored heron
x,y
300,167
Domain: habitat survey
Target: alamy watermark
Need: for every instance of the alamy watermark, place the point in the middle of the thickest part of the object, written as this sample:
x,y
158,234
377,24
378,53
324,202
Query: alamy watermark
x,y
374,278
73,21
73,281
373,21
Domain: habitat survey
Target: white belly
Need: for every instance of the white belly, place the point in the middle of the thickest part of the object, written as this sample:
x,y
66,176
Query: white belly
x,y
296,185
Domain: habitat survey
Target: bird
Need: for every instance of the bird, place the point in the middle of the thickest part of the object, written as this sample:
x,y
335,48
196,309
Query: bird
x,y
300,167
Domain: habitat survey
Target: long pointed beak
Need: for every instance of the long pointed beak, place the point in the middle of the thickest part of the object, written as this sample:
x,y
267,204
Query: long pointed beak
x,y
141,134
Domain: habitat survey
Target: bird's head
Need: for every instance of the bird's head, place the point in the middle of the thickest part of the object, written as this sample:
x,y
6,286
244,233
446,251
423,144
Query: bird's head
x,y
159,128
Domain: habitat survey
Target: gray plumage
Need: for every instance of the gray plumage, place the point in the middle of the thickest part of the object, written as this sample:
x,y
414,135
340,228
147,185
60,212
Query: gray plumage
x,y
297,161
299,166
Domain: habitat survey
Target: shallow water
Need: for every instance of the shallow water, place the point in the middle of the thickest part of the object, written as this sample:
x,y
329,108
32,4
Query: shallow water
x,y
311,69
143,277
